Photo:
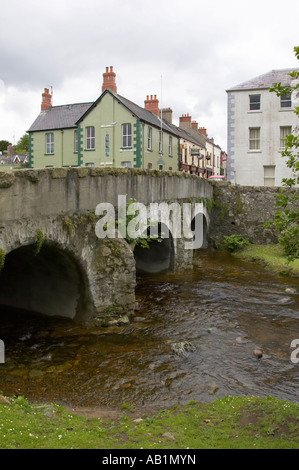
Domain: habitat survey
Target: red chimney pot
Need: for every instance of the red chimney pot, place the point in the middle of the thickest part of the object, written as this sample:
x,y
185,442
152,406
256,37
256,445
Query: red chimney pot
x,y
152,104
109,80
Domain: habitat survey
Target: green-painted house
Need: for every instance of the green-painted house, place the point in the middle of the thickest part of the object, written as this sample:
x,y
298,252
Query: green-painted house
x,y
111,131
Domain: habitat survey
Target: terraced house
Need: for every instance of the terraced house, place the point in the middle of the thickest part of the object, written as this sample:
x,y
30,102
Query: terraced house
x,y
114,131
111,131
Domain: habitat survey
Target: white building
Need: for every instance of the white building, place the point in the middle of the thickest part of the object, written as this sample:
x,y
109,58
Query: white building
x,y
258,122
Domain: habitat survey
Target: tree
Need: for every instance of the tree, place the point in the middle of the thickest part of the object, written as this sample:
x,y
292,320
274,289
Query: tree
x,y
286,219
3,145
23,144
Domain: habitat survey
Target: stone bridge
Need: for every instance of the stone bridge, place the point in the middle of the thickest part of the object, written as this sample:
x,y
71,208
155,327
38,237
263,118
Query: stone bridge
x,y
52,258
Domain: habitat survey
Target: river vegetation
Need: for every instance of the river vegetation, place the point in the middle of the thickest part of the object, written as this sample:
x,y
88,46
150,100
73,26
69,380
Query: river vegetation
x,y
286,219
272,257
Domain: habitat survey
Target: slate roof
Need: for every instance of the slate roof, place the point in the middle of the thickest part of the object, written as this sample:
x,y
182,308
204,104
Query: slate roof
x,y
135,109
70,115
59,117
266,80
182,134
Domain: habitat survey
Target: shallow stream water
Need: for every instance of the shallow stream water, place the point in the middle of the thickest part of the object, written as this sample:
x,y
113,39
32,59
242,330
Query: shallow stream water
x,y
224,307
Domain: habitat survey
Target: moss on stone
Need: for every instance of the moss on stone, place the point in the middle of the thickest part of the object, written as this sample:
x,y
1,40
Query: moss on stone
x,y
59,173
38,241
2,259
97,171
7,179
238,208
82,172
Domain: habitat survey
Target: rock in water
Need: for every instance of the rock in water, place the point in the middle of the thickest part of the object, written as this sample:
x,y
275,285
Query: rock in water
x,y
182,348
258,353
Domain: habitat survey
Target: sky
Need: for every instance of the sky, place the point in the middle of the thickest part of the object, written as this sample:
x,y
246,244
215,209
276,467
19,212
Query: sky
x,y
187,52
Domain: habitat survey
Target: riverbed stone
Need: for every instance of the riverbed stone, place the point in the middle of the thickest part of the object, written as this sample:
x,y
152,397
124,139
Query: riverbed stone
x,y
258,353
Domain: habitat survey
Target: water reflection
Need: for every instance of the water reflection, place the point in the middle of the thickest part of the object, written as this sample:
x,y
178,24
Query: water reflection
x,y
225,308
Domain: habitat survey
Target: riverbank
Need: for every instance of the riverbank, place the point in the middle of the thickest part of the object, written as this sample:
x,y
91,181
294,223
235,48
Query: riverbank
x,y
271,257
227,423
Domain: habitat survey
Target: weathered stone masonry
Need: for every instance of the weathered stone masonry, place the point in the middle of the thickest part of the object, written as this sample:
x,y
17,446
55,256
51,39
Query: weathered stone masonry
x,y
243,210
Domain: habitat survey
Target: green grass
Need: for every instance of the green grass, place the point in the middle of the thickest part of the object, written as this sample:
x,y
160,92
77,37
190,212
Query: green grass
x,y
271,256
227,423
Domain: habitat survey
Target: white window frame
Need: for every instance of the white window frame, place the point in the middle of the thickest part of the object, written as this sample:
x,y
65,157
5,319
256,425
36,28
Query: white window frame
x,y
284,131
127,135
269,175
76,134
170,146
149,138
49,143
254,138
127,164
160,141
254,105
286,100
90,138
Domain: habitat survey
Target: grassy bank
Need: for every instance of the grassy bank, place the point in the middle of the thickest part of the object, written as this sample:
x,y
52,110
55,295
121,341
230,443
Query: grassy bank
x,y
271,256
228,423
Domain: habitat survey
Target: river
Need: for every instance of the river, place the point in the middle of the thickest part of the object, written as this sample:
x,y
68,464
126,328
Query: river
x,y
225,308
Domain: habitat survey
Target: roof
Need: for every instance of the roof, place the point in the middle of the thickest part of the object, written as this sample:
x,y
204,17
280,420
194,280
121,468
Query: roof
x,y
59,117
70,115
182,134
135,109
266,80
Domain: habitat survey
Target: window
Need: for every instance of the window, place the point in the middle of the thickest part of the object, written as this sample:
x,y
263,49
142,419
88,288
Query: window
x,y
269,175
149,138
254,138
170,146
160,141
50,143
127,135
254,102
76,142
284,131
127,164
149,166
286,100
90,138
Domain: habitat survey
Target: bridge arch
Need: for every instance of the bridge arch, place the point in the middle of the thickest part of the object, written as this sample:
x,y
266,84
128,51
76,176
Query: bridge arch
x,y
75,274
159,255
200,222
50,282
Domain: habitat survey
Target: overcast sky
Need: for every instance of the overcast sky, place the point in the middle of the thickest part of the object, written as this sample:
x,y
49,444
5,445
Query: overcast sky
x,y
188,52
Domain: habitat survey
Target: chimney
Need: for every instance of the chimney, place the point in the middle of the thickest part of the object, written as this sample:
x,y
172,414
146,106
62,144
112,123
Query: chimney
x,y
152,104
46,100
185,118
109,80
194,125
203,130
167,114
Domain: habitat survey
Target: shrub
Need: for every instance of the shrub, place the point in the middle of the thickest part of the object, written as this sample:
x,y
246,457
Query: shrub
x,y
289,240
234,242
